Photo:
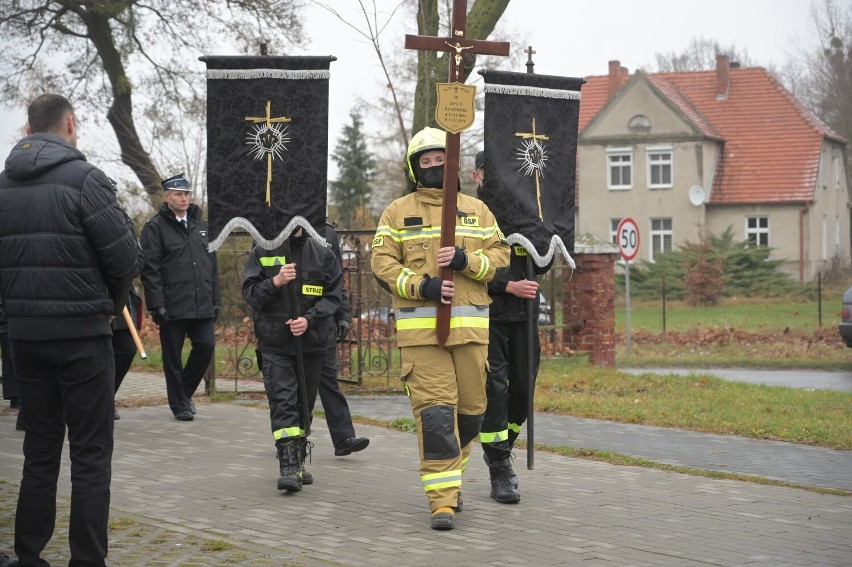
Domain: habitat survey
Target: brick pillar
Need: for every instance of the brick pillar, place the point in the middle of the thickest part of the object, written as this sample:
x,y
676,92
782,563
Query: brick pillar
x,y
589,301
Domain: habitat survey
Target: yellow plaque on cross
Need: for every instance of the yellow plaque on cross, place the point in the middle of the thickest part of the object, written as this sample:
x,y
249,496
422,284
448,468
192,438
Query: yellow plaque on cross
x,y
454,111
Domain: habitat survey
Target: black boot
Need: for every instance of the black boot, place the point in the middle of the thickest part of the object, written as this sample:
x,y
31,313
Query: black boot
x,y
288,459
513,478
305,447
501,487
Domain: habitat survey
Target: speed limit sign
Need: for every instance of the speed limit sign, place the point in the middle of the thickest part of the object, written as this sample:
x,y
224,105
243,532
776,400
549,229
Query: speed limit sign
x,y
628,238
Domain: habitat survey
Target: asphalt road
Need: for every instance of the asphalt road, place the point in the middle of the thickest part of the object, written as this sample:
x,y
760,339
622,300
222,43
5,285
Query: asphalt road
x,y
813,379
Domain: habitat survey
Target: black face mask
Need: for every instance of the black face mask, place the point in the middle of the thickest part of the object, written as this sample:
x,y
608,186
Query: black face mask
x,y
432,177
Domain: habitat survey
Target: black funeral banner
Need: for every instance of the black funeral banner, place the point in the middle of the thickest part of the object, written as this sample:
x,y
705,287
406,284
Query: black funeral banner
x,y
267,146
531,125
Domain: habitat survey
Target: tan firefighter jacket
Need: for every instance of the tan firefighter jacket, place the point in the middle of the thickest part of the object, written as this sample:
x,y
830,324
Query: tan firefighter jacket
x,y
405,253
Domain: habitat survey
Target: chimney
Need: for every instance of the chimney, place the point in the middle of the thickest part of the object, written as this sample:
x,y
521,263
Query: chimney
x,y
723,76
616,73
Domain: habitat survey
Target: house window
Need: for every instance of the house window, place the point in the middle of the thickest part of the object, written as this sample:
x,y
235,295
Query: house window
x,y
661,237
757,231
613,230
619,168
659,167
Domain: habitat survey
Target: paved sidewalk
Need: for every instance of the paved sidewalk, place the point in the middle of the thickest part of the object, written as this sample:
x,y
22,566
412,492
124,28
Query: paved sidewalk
x,y
203,493
802,464
213,480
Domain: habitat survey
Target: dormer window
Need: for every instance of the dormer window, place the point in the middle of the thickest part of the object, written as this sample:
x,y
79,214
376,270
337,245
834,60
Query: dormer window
x,y
640,123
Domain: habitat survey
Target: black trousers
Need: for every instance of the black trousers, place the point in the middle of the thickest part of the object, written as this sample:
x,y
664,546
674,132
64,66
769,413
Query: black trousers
x,y
507,386
337,414
124,351
10,377
282,391
182,381
65,382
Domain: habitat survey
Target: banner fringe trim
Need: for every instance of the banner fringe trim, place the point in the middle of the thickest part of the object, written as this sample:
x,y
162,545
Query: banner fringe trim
x,y
268,74
556,245
247,226
517,90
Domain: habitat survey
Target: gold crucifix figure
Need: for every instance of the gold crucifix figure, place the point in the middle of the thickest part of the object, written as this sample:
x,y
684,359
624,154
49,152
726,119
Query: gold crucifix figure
x,y
533,155
458,56
268,139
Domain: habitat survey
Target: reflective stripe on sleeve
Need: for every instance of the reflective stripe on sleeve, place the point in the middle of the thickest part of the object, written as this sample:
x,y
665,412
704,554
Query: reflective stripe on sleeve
x,y
269,261
484,265
401,281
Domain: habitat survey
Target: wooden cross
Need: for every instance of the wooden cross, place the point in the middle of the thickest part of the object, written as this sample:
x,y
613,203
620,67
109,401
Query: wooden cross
x,y
269,143
533,157
456,44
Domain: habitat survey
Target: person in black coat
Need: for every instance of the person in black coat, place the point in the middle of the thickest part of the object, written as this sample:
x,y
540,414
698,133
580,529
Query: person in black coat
x,y
8,377
67,260
181,282
338,418
304,271
507,385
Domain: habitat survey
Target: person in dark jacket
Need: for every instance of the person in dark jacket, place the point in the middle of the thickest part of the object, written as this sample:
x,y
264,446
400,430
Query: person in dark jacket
x,y
181,282
338,418
8,377
123,345
66,264
507,385
304,271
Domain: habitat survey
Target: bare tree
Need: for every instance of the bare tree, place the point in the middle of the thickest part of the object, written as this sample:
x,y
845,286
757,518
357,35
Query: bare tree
x,y
828,88
699,55
89,49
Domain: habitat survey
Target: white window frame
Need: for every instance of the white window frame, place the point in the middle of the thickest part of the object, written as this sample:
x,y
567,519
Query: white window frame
x,y
613,230
653,152
758,231
660,236
626,164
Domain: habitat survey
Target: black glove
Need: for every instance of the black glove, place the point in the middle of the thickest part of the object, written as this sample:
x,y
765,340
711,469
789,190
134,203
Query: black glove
x,y
342,330
430,288
459,261
216,311
160,316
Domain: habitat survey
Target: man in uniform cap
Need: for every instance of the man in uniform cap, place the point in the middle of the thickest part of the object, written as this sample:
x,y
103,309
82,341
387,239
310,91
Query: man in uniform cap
x,y
181,283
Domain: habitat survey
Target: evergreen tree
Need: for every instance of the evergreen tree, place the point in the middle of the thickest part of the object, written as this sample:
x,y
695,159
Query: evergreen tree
x,y
351,191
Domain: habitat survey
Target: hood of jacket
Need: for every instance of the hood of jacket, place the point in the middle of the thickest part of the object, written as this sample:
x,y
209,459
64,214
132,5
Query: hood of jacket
x,y
37,154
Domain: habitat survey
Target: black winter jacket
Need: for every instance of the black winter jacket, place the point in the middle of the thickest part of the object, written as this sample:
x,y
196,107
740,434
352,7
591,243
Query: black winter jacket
x,y
319,281
505,307
342,313
67,255
179,273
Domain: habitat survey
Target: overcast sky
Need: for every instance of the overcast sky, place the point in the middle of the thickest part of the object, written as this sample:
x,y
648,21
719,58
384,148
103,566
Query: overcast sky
x,y
571,38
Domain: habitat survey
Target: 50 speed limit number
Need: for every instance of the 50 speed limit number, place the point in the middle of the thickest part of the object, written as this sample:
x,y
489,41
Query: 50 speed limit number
x,y
627,235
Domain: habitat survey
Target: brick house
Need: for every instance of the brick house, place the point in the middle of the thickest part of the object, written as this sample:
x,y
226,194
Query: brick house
x,y
707,150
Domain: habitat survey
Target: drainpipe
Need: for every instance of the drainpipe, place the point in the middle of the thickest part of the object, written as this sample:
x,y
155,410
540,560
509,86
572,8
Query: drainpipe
x,y
802,212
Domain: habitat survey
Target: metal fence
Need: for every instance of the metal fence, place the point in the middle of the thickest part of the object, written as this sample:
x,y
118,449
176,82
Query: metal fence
x,y
370,350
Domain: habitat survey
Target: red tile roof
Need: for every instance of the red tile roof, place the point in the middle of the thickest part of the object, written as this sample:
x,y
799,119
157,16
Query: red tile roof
x,y
771,141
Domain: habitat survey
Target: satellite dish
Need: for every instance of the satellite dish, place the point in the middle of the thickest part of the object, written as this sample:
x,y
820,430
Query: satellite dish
x,y
697,195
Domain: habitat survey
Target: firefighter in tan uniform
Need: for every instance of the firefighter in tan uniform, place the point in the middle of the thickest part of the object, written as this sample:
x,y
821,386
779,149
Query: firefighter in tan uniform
x,y
446,386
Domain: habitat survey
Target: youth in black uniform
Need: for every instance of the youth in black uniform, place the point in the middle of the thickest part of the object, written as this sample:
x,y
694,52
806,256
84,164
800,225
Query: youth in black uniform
x,y
268,275
507,385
